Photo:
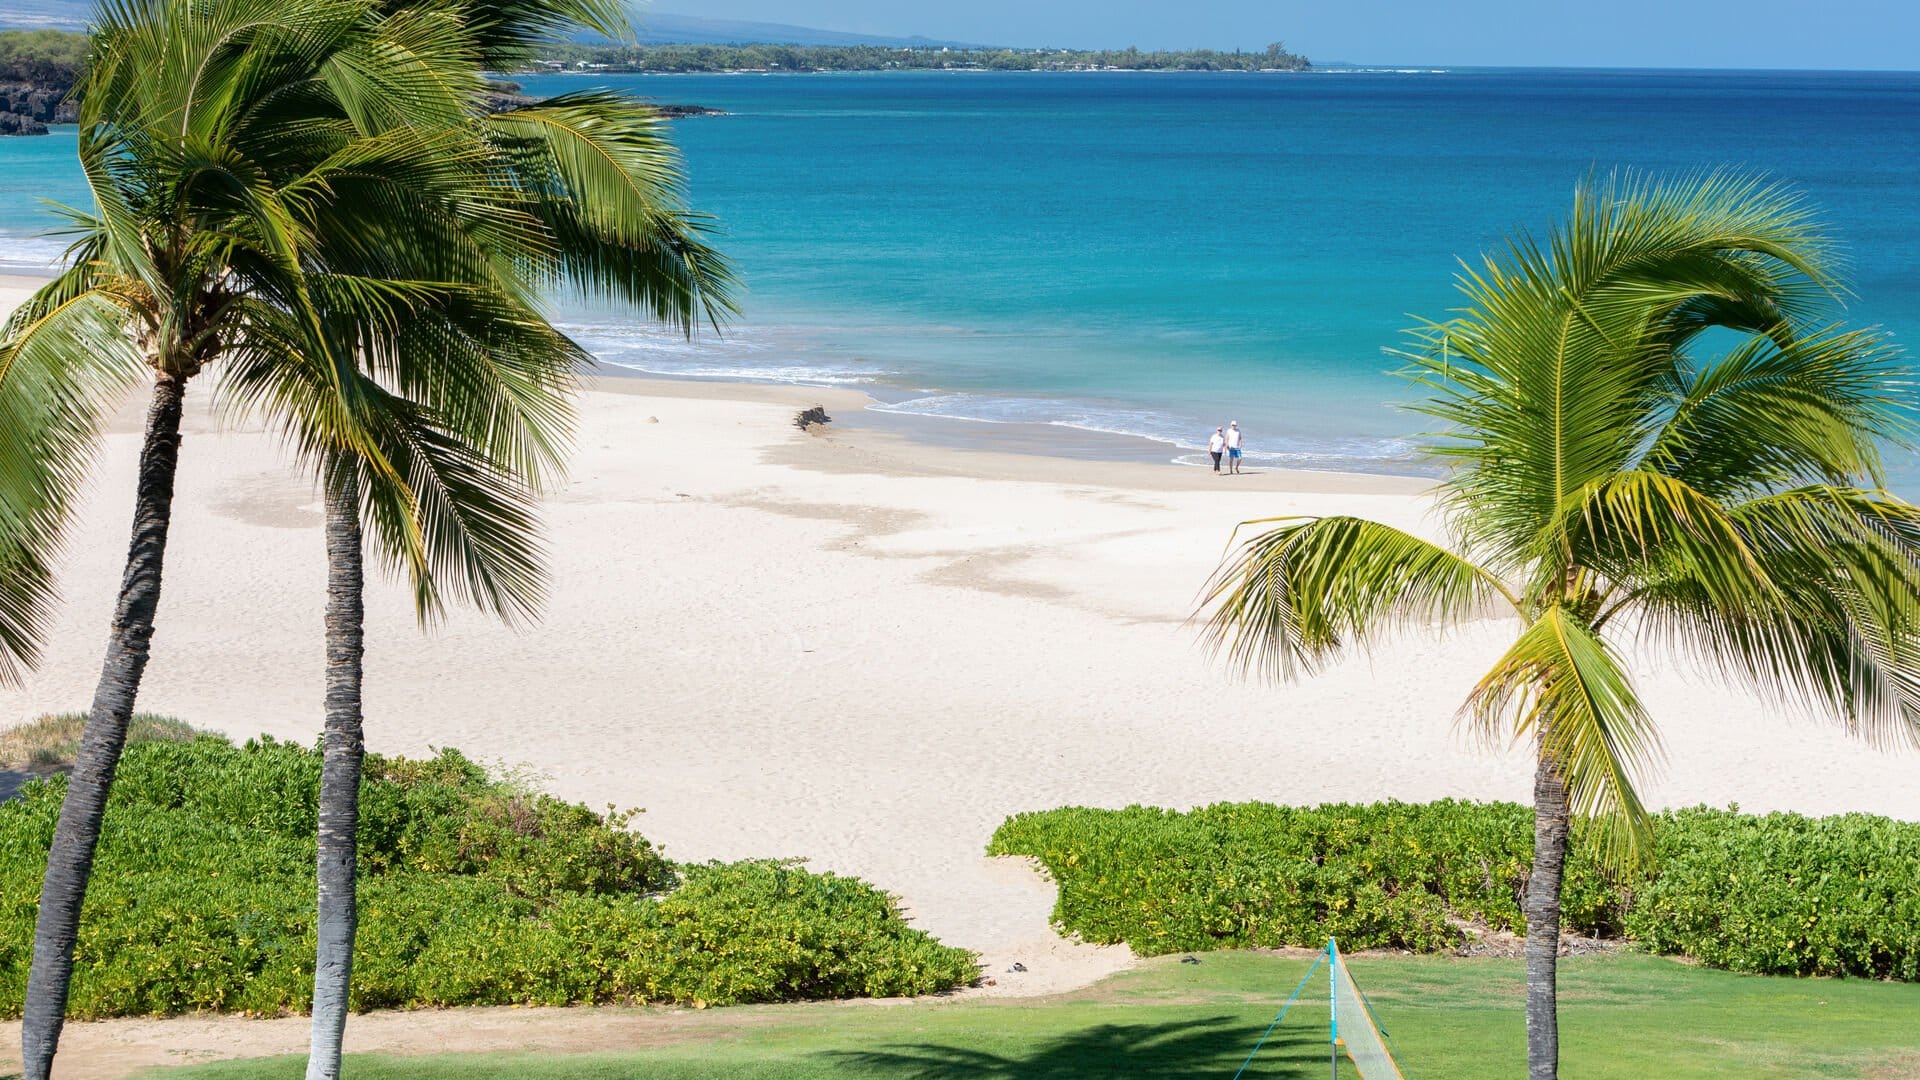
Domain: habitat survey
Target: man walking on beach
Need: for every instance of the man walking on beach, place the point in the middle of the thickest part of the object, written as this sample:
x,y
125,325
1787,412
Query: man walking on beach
x,y
1233,446
1217,446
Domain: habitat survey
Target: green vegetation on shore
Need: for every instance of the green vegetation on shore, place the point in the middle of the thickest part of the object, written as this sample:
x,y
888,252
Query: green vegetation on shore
x,y
39,55
1778,894
714,58
39,67
1625,1017
37,71
43,56
474,891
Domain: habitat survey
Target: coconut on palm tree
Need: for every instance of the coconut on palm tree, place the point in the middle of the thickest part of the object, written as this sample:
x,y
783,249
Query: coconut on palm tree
x,y
305,202
1655,436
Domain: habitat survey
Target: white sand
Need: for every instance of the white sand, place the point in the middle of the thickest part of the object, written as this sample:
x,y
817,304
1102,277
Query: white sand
x,y
861,650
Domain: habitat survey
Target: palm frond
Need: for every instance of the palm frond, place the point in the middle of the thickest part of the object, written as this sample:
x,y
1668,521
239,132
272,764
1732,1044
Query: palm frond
x,y
439,509
510,32
1815,410
418,67
1635,524
609,184
1561,684
1296,594
64,363
1546,377
1840,635
462,524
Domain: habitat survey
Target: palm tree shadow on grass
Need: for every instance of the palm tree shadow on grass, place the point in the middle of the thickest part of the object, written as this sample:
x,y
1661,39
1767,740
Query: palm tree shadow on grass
x,y
1211,1047
11,781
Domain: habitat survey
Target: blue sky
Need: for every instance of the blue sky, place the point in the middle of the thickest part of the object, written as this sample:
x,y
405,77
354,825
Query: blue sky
x,y
1616,33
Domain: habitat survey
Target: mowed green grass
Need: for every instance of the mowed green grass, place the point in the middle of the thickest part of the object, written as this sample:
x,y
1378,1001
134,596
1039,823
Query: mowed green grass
x,y
1625,1016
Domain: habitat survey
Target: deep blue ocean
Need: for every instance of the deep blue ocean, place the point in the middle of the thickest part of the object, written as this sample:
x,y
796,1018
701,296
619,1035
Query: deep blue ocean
x,y
1155,254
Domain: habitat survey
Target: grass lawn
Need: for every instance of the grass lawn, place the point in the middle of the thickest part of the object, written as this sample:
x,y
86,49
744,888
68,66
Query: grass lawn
x,y
1627,1016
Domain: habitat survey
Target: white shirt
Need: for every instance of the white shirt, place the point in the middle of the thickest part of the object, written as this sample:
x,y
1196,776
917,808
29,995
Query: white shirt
x,y
1233,438
1217,443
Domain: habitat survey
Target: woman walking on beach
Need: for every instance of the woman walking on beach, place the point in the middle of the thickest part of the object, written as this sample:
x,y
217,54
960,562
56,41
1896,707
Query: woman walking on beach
x,y
1217,446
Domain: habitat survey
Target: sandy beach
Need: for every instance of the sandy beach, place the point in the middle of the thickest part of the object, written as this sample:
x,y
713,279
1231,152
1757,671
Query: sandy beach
x,y
859,648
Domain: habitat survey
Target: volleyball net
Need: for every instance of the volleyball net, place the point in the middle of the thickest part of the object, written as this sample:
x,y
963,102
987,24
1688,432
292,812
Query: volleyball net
x,y
1351,1027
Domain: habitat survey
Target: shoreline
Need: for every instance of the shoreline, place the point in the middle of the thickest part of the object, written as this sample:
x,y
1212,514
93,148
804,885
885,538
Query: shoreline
x,y
1076,452
938,445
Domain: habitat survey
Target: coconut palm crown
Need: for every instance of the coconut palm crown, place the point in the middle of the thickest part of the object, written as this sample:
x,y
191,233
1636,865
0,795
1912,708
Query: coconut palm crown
x,y
1653,435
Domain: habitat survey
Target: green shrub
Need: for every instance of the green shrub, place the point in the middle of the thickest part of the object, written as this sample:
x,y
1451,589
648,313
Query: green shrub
x,y
472,892
1779,894
775,931
1389,875
1783,894
52,57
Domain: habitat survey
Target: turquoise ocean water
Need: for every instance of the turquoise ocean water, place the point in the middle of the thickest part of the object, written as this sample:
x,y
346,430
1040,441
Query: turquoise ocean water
x,y
1154,254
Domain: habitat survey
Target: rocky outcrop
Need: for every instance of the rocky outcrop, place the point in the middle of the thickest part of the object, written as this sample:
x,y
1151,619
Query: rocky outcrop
x,y
15,124
26,108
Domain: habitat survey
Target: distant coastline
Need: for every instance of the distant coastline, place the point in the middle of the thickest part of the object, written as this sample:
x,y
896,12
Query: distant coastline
x,y
766,59
38,68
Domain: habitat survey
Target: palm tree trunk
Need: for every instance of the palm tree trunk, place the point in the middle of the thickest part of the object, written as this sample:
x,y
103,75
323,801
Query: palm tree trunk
x,y
339,776
70,860
1550,814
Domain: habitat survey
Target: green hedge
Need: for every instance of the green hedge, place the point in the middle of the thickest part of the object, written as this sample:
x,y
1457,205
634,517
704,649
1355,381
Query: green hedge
x,y
1779,894
1784,894
472,892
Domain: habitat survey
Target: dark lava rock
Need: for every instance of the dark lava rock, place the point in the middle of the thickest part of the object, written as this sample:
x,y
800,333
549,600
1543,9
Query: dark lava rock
x,y
14,124
26,108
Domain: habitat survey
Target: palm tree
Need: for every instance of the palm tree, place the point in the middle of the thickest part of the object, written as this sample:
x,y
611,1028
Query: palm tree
x,y
198,254
604,184
1652,435
256,170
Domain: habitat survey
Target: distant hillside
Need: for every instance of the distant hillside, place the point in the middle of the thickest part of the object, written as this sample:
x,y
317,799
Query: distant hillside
x,y
654,27
797,58
662,28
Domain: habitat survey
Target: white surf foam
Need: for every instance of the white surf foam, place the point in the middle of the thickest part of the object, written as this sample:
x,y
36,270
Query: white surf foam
x,y
34,254
1181,433
745,354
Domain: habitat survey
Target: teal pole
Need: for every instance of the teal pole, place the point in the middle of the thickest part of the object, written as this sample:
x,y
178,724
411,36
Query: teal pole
x,y
1333,1009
